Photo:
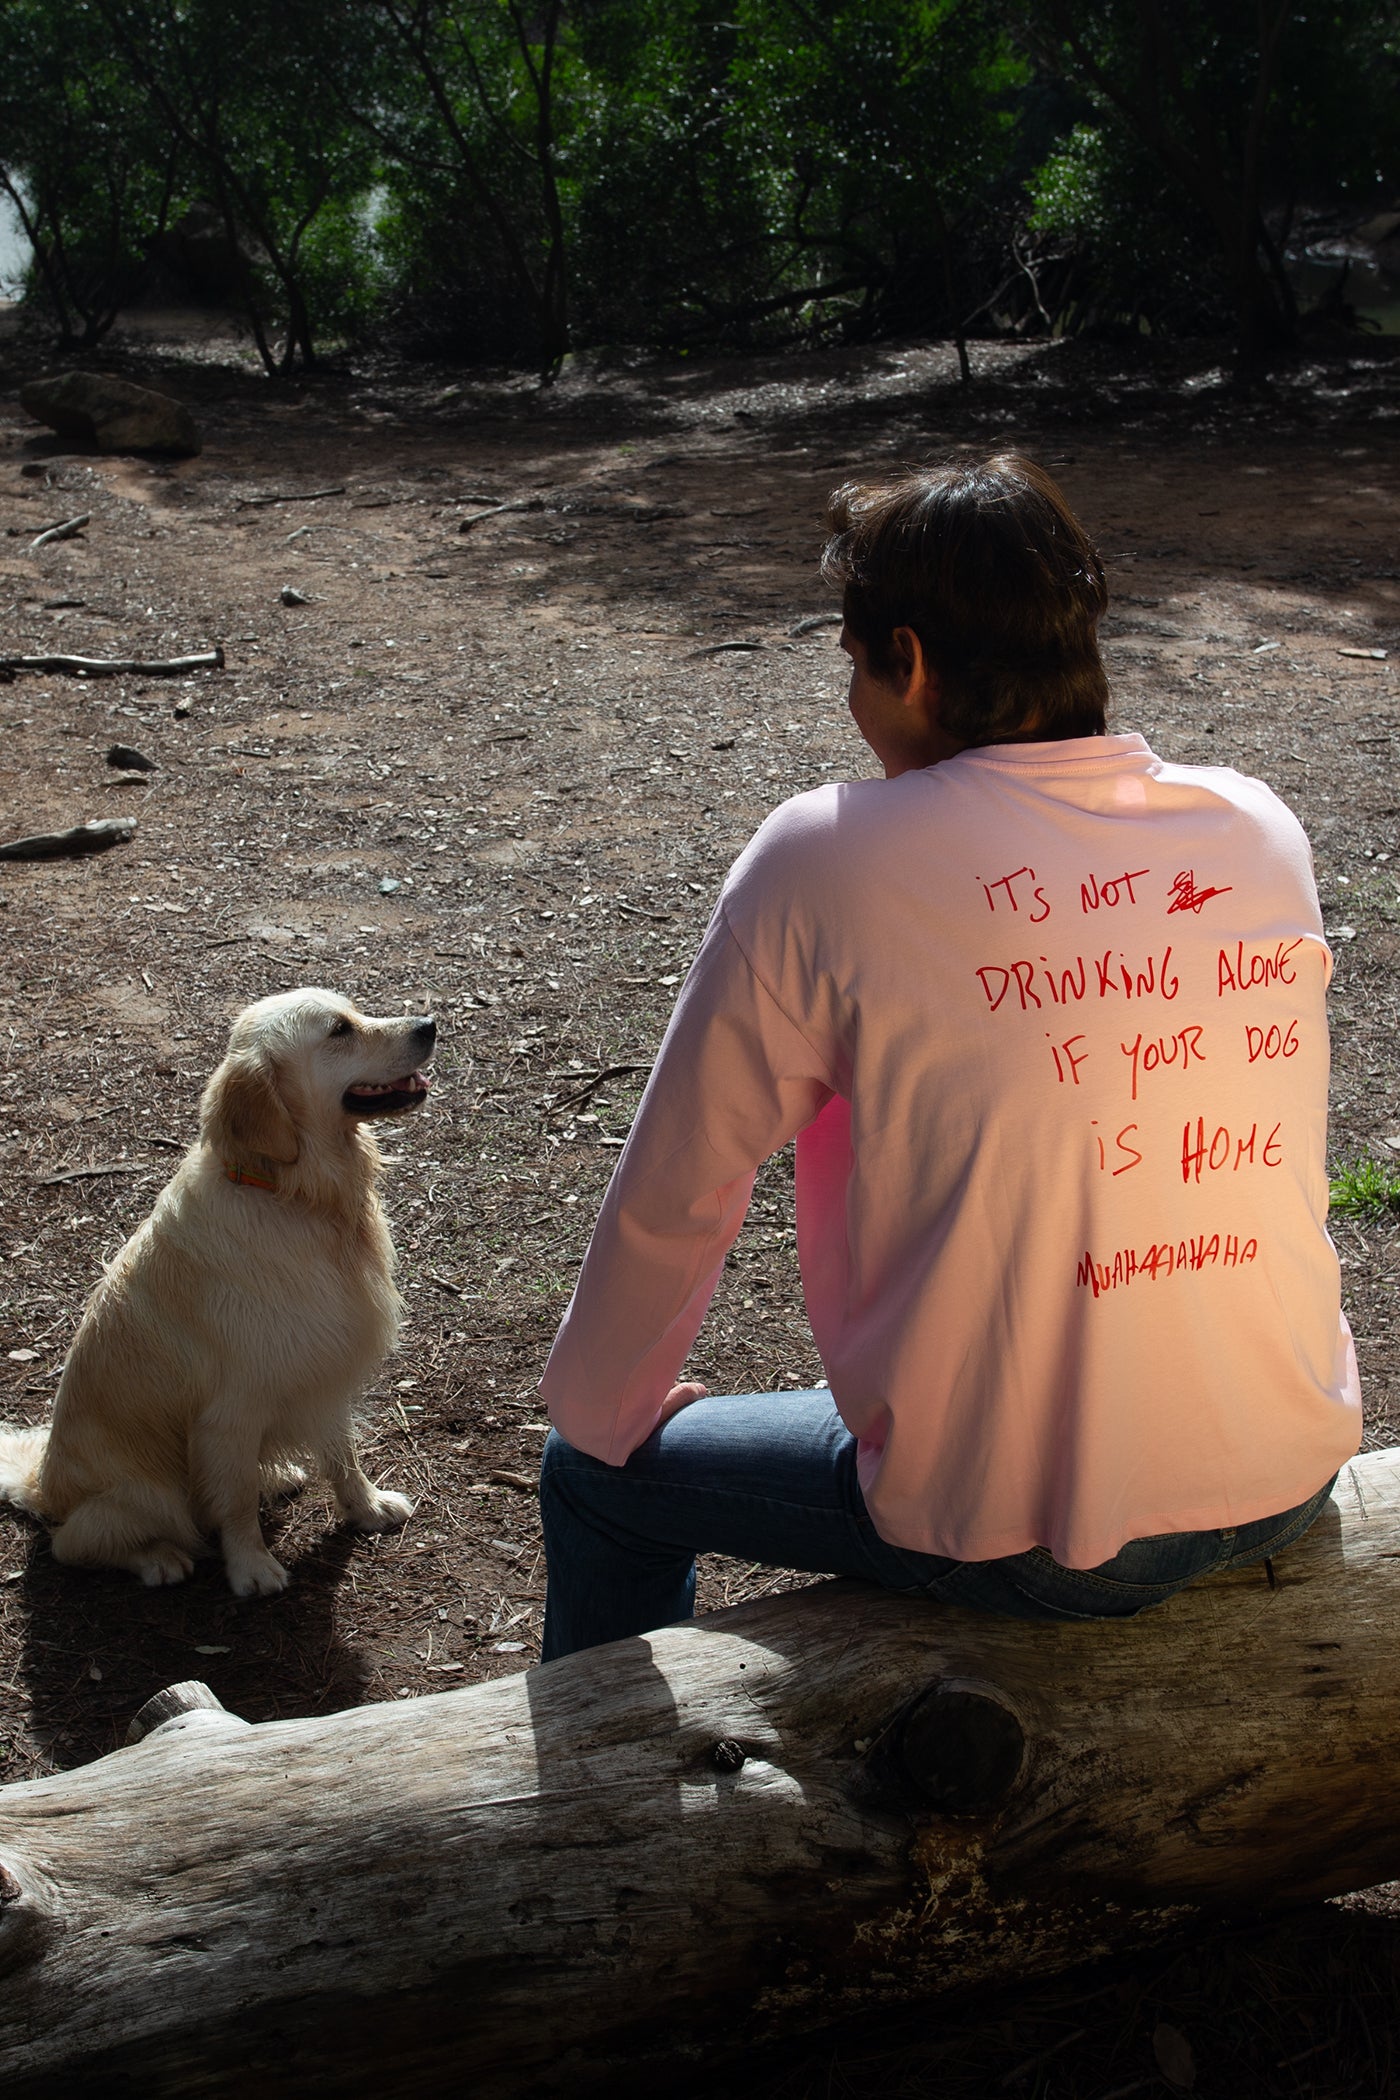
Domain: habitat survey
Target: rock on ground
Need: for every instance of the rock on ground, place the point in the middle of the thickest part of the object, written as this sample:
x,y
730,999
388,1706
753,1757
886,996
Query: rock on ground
x,y
111,413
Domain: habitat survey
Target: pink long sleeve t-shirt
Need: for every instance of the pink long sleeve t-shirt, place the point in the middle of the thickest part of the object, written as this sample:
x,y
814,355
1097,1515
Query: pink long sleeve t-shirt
x,y
1047,1021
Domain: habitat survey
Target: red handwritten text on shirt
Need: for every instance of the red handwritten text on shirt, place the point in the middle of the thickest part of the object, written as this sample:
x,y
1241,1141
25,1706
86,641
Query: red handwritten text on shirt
x,y
1246,972
1180,1049
1068,1059
1093,894
1131,1156
1105,976
1007,884
1164,1258
1224,1151
1270,1043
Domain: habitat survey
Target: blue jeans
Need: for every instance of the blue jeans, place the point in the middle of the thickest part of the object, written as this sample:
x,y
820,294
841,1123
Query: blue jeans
x,y
771,1477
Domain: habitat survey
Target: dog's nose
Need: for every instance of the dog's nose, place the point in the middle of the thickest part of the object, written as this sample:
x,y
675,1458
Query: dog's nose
x,y
425,1031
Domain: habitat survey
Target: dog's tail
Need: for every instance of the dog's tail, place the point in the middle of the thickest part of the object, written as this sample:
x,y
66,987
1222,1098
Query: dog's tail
x,y
21,1456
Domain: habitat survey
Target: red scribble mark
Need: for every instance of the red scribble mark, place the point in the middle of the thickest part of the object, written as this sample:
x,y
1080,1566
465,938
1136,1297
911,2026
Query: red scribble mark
x,y
1185,895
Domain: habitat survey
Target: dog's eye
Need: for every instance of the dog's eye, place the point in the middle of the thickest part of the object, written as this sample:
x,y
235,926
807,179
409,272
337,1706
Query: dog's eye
x,y
343,1027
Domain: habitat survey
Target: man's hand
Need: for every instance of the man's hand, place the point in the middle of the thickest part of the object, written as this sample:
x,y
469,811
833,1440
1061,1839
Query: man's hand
x,y
681,1396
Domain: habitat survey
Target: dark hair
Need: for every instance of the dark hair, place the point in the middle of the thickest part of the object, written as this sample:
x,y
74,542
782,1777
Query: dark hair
x,y
990,567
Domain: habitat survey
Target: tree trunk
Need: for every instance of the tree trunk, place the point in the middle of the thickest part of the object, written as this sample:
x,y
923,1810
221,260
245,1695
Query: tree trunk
x,y
778,1817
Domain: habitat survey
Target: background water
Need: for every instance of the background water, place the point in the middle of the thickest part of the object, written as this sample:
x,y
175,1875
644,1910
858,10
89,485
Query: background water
x,y
14,250
1373,292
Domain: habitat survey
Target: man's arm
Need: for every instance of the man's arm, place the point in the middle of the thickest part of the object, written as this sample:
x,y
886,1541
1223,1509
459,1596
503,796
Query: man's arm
x,y
734,1080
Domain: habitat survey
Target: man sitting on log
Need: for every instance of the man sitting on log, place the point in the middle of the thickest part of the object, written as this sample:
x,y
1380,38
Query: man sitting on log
x,y
1045,1015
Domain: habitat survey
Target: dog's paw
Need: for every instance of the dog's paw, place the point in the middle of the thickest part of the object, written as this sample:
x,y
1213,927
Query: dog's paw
x,y
160,1563
381,1510
256,1575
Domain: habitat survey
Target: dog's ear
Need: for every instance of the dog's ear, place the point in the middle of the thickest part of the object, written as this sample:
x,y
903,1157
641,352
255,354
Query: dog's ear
x,y
242,1112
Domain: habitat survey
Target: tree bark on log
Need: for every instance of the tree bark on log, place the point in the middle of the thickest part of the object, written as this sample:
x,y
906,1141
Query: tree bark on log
x,y
786,1814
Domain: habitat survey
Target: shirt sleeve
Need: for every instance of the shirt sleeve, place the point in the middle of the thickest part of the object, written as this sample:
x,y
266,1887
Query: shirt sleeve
x,y
736,1077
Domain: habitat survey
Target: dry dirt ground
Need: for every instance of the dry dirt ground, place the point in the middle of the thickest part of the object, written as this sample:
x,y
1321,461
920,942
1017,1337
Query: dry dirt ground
x,y
497,769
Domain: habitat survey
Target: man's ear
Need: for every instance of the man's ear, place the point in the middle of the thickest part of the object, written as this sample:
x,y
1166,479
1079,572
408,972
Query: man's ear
x,y
242,1112
917,678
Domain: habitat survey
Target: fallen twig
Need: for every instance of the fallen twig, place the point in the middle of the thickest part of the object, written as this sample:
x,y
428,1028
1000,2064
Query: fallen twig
x,y
114,666
120,1166
71,845
516,503
591,1086
289,496
66,531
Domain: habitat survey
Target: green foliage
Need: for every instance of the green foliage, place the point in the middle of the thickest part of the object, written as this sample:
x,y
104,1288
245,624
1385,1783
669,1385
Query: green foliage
x,y
1072,191
243,94
1203,123
1367,1188
775,167
82,159
499,178
1117,249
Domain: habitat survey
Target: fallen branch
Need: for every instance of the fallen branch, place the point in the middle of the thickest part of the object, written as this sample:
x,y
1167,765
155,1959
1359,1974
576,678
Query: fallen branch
x,y
589,1875
118,1166
67,531
114,666
71,845
519,503
590,1087
636,911
289,496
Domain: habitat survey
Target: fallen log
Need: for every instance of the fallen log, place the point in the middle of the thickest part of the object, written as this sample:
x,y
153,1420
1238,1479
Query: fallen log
x,y
776,1818
115,666
96,836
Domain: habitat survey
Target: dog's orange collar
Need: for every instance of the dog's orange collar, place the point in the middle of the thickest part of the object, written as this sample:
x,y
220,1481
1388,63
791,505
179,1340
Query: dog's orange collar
x,y
247,1180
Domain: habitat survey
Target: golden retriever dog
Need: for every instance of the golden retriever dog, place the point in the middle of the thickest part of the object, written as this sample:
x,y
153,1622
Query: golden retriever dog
x,y
229,1338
